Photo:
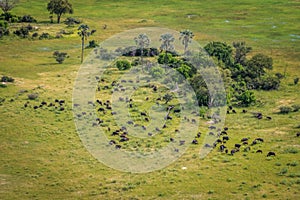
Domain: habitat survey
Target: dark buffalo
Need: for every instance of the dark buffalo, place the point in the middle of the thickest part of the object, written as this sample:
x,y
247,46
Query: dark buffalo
x,y
237,146
271,153
194,141
225,138
259,151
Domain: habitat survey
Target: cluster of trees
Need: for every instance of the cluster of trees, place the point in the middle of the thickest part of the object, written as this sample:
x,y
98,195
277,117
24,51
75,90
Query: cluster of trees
x,y
240,74
243,75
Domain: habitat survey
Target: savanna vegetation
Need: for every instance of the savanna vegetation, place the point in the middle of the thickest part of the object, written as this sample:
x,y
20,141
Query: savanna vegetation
x,y
254,45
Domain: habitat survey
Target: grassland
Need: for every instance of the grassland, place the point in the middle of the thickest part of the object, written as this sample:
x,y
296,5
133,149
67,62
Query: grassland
x,y
42,156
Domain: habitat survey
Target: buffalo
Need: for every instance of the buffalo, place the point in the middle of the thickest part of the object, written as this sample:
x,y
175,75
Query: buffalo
x,y
271,153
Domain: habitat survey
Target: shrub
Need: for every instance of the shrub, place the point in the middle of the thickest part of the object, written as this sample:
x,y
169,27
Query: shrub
x,y
296,107
285,109
3,85
269,83
92,44
9,17
246,98
70,21
291,150
60,56
279,75
45,36
123,64
157,72
27,18
22,32
296,80
7,79
33,96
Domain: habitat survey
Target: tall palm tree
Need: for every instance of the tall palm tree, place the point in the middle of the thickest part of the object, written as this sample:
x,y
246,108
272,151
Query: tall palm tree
x,y
84,33
167,39
186,37
142,41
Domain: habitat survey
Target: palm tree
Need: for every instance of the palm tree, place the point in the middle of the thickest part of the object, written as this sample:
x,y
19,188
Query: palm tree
x,y
167,39
142,41
84,33
186,37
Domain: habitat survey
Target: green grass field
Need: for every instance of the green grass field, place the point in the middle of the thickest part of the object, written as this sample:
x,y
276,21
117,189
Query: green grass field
x,y
42,156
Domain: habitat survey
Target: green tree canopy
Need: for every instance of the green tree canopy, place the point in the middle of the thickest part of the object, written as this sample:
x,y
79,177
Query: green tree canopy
x,y
59,7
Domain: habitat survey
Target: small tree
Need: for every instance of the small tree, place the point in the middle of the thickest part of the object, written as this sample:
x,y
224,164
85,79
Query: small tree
x,y
168,97
186,37
84,33
142,41
7,5
60,56
59,7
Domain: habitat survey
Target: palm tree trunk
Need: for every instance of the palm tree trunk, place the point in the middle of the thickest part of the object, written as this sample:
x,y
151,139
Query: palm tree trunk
x,y
82,49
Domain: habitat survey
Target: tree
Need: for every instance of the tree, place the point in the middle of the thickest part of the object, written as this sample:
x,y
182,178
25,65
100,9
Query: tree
x,y
60,56
167,39
142,41
59,7
257,64
168,97
7,5
84,33
186,37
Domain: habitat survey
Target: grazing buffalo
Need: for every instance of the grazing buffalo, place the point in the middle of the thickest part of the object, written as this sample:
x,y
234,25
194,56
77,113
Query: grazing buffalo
x,y
143,114
194,141
244,111
118,146
177,111
225,138
150,134
237,146
259,151
223,133
211,133
208,146
260,139
244,139
245,143
164,126
181,142
171,139
226,128
271,153
230,107
233,111
269,118
124,139
218,141
193,121
233,151
298,134
222,147
100,109
157,129
198,135
112,142
169,117
35,107
247,149
226,151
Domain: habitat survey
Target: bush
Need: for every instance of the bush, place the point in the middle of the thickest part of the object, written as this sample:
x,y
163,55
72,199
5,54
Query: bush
x,y
27,18
157,72
22,32
296,80
3,31
35,35
70,21
246,98
123,64
285,109
7,79
269,83
92,44
33,96
60,56
296,107
45,36
9,17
